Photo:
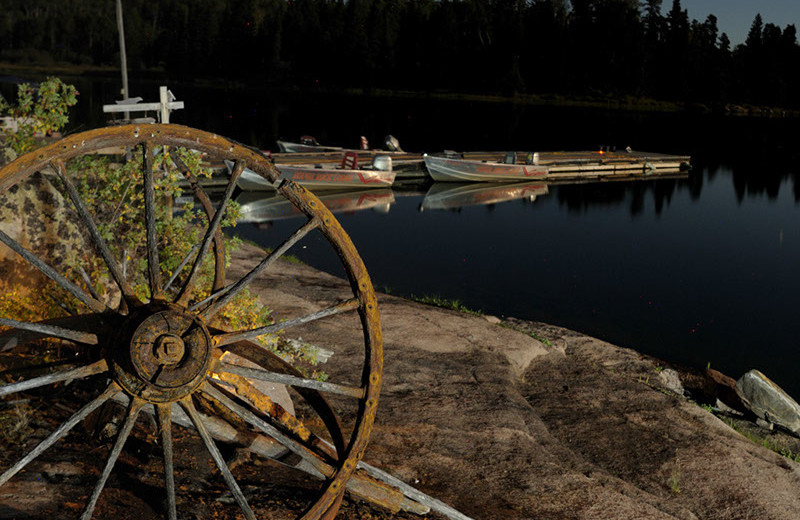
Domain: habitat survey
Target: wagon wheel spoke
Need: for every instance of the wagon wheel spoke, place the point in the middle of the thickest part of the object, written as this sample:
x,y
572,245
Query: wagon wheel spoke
x,y
83,329
319,455
292,445
60,432
153,264
262,358
208,207
52,331
231,291
165,426
180,267
54,275
289,380
64,375
188,406
133,412
232,337
88,282
113,266
211,232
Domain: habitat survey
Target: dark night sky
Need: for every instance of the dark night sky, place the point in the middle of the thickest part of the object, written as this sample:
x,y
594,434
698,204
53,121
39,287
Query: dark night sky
x,y
735,16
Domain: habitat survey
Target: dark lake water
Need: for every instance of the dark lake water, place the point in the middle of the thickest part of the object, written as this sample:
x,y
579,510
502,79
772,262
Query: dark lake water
x,y
697,270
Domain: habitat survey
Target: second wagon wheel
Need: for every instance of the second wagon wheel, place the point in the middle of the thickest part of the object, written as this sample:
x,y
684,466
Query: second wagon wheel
x,y
151,335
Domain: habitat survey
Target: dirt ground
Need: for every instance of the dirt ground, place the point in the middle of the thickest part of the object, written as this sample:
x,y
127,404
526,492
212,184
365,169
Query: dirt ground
x,y
475,413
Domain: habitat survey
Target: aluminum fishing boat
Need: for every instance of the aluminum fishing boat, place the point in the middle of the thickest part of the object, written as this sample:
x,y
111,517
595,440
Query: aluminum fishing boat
x,y
453,168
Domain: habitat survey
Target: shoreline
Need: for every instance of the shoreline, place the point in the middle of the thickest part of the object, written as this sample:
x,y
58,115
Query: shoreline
x,y
701,388
500,419
616,103
573,427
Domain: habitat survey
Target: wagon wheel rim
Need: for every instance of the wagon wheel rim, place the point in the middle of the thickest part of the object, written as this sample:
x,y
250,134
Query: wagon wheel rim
x,y
163,351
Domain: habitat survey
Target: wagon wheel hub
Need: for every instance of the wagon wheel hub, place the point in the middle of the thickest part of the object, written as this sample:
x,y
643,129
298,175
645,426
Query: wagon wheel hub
x,y
169,349
166,355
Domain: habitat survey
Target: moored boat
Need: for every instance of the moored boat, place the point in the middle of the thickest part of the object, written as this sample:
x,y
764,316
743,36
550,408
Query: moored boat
x,y
568,166
451,168
307,144
316,177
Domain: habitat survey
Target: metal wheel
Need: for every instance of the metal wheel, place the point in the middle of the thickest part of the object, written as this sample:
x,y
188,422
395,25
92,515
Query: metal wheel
x,y
160,349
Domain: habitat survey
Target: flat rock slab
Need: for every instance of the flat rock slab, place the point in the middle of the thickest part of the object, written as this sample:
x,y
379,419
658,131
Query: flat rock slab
x,y
502,426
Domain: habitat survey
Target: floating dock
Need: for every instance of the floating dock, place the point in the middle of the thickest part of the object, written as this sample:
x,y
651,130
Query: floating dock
x,y
593,164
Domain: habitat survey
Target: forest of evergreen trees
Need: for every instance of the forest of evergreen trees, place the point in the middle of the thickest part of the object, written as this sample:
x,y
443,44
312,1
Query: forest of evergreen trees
x,y
547,47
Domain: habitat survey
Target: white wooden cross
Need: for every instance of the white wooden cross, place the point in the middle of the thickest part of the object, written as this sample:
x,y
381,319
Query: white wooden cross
x,y
166,104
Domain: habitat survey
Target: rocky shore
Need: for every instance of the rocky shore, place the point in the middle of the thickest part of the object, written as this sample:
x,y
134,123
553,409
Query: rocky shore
x,y
502,419
478,413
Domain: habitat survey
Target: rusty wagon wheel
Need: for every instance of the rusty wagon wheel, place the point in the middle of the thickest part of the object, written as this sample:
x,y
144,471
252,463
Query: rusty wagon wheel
x,y
157,348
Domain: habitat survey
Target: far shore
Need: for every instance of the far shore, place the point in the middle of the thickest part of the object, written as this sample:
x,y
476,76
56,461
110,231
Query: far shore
x,y
69,71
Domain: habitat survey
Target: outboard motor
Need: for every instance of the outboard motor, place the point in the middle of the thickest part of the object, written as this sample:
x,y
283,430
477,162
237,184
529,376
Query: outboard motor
x,y
392,144
382,163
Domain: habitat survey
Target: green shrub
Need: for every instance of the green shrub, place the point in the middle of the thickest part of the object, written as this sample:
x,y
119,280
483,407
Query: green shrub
x,y
38,111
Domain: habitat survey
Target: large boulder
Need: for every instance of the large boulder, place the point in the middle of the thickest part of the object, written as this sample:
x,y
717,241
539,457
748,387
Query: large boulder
x,y
768,401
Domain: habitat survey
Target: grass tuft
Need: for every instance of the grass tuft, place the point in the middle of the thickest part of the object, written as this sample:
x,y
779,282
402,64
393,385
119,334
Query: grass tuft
x,y
438,301
534,335
675,479
764,442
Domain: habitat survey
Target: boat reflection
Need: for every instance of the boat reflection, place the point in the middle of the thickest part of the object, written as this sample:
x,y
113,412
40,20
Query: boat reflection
x,y
449,195
264,206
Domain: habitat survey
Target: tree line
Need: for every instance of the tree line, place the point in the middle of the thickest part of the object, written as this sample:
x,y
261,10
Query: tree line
x,y
545,47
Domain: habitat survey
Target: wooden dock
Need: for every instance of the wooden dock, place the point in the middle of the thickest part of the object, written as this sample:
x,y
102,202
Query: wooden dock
x,y
593,164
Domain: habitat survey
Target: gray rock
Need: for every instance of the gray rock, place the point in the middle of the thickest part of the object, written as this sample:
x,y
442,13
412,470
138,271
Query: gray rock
x,y
671,380
768,401
727,409
765,424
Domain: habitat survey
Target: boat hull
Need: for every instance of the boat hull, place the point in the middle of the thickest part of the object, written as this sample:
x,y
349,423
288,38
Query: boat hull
x,y
444,169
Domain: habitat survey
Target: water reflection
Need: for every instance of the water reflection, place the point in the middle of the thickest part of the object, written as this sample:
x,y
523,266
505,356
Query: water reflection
x,y
448,195
263,206
634,194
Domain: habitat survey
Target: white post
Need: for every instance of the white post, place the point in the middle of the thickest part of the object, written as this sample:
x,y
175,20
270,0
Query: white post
x,y
164,100
122,56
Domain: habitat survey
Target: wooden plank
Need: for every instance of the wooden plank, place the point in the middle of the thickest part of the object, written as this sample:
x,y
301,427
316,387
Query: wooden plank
x,y
141,107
